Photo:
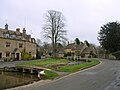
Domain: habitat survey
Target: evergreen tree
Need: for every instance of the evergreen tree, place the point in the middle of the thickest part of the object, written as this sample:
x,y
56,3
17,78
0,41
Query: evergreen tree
x,y
109,36
77,41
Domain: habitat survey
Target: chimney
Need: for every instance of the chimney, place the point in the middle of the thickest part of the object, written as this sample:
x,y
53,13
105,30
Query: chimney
x,y
6,26
68,42
24,31
17,29
29,36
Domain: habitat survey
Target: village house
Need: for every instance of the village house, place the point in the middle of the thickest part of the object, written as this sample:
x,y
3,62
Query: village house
x,y
82,50
14,43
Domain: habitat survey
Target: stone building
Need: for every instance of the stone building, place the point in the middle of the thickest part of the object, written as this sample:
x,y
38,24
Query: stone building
x,y
14,43
82,50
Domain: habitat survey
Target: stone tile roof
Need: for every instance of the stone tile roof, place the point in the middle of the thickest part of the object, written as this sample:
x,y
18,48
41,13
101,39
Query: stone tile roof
x,y
73,46
78,47
87,50
70,46
17,33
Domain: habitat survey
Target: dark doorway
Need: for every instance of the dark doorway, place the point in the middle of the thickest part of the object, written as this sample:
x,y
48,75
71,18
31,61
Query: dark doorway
x,y
17,56
0,55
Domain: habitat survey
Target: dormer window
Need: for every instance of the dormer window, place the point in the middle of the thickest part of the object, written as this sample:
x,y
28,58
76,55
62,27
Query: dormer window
x,y
33,40
14,36
7,44
20,45
7,35
30,40
20,37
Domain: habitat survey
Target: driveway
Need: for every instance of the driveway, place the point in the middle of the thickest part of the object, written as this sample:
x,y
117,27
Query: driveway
x,y
103,77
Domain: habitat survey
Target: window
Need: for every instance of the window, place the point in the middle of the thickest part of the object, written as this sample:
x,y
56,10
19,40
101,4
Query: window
x,y
20,45
7,44
7,54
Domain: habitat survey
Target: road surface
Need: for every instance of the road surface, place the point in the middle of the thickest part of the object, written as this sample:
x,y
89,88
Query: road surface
x,y
103,77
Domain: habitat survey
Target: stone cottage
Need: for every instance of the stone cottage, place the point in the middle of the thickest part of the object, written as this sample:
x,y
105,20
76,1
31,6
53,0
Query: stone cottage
x,y
14,43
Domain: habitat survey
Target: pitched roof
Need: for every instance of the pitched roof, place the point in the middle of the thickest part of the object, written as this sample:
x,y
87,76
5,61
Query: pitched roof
x,y
17,33
88,50
70,46
74,46
78,47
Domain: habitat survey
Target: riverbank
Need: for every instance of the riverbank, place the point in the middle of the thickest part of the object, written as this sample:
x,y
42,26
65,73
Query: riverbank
x,y
43,82
58,68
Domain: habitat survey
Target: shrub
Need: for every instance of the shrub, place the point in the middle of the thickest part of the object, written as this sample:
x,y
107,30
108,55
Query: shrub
x,y
67,54
26,56
117,55
89,56
82,55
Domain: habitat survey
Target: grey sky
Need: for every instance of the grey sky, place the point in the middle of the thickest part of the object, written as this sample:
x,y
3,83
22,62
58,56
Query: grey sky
x,y
84,17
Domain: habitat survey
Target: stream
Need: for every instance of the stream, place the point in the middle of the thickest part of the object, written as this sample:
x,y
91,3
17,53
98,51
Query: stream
x,y
14,79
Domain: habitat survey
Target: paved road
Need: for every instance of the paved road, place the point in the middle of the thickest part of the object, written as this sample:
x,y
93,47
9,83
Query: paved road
x,y
103,77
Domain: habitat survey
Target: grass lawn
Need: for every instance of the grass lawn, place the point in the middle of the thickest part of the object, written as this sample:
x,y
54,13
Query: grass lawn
x,y
75,68
53,63
44,63
50,75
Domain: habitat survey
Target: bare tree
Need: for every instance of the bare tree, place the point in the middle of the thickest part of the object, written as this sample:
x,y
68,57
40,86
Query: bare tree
x,y
39,42
54,28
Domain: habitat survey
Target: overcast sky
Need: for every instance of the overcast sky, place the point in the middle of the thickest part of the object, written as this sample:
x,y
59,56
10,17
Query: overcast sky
x,y
83,17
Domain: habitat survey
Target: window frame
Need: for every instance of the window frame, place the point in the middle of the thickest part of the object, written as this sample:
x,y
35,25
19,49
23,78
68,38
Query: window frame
x,y
7,44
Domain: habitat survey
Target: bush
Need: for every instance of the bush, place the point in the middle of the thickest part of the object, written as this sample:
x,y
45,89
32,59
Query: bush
x,y
26,56
67,54
83,59
89,56
7,59
82,55
117,55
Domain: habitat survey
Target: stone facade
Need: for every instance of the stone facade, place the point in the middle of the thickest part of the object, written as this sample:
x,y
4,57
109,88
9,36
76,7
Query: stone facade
x,y
14,43
80,50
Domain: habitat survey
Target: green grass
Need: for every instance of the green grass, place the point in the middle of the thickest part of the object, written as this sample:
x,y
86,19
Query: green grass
x,y
48,63
75,68
44,63
50,75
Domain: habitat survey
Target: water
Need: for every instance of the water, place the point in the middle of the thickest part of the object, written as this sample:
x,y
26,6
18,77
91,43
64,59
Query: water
x,y
13,79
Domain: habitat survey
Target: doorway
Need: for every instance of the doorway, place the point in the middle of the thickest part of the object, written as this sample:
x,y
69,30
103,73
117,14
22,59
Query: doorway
x,y
17,56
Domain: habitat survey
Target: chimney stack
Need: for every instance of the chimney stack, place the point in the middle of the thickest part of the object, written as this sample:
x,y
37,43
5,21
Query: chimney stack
x,y
24,31
6,26
17,29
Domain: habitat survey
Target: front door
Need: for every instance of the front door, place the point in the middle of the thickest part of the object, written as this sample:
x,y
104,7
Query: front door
x,y
17,56
0,55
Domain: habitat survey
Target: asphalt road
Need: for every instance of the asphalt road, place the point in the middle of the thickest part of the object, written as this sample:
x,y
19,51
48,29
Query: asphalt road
x,y
103,77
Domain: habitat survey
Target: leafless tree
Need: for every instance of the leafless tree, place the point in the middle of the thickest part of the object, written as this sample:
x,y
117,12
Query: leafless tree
x,y
54,28
39,42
